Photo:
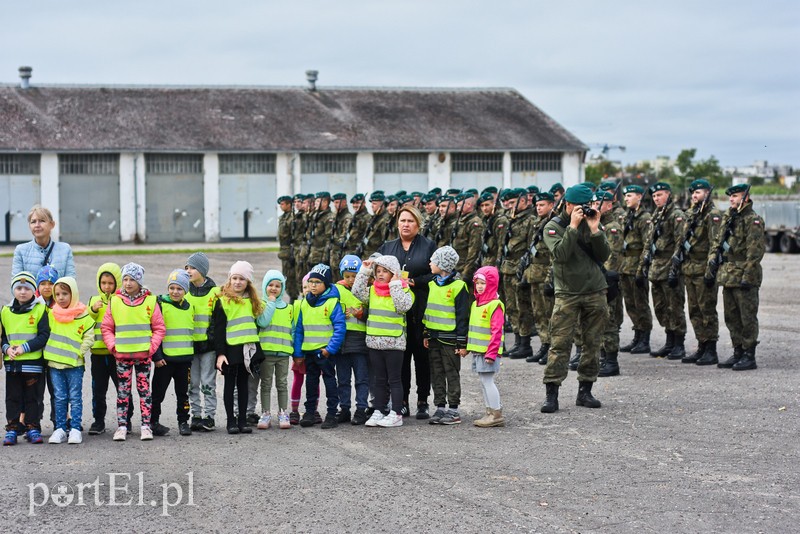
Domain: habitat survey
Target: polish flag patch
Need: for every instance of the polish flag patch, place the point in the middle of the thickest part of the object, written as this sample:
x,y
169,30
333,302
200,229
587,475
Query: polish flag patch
x,y
756,222
551,232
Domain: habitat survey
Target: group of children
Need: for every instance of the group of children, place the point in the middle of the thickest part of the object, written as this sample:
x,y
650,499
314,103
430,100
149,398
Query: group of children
x,y
353,331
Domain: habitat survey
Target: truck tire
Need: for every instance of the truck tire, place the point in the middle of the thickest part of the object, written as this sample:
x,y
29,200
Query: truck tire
x,y
772,243
788,244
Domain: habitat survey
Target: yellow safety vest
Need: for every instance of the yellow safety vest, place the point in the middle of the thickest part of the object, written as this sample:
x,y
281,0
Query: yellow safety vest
x,y
440,314
21,328
203,308
99,346
180,329
132,331
277,336
241,326
348,300
64,344
383,319
480,327
317,326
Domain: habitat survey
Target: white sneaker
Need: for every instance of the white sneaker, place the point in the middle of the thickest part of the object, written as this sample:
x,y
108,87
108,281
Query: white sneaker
x,y
75,436
59,436
376,418
391,420
121,434
147,434
283,420
265,421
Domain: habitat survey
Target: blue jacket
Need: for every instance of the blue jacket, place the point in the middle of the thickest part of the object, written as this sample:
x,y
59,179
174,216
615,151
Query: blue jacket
x,y
30,257
337,320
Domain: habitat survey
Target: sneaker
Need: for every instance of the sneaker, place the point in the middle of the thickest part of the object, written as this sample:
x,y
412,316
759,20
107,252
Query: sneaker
x,y
343,416
265,422
436,418
404,411
146,433
184,428
10,439
75,436
233,429
159,430
391,420
422,411
197,424
294,418
330,422
376,418
360,417
98,427
35,436
207,424
121,433
317,418
59,436
244,429
307,420
283,420
451,417
252,419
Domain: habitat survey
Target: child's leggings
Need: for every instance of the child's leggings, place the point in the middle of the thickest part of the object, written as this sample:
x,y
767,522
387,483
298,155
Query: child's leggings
x,y
125,372
490,393
298,377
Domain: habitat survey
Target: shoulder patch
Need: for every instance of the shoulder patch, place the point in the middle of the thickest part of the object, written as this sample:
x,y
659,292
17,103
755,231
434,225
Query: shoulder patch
x,y
756,221
715,219
501,226
551,232
679,219
613,230
476,224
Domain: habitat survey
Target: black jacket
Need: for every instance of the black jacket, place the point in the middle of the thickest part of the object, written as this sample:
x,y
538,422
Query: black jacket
x,y
417,262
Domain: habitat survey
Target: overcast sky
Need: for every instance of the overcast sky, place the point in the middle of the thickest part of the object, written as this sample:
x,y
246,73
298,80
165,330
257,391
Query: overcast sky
x,y
656,77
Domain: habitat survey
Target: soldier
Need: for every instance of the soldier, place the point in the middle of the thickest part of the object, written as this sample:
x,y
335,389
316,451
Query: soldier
x,y
286,227
299,240
700,230
341,224
468,240
392,205
374,235
532,192
494,222
448,215
661,243
417,199
579,247
539,275
637,298
358,224
557,190
619,211
518,304
430,218
319,235
735,263
610,224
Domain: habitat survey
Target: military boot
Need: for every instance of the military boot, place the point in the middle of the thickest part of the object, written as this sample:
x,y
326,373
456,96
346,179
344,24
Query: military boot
x,y
551,400
692,358
738,352
534,357
509,353
637,335
643,345
585,397
678,351
544,352
709,357
667,348
575,359
525,350
610,367
747,361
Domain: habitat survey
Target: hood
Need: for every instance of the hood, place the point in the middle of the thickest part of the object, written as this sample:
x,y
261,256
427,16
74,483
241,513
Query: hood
x,y
73,287
271,275
114,270
76,307
389,263
492,283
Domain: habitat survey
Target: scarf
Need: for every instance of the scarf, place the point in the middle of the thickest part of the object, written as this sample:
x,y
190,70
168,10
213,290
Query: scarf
x,y
66,315
382,289
24,307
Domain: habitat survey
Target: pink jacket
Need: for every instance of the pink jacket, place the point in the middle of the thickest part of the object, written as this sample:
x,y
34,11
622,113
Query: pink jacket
x,y
107,327
498,317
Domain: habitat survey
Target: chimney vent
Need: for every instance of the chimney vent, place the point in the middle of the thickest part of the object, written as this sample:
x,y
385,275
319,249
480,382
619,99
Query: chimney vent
x,y
25,77
311,76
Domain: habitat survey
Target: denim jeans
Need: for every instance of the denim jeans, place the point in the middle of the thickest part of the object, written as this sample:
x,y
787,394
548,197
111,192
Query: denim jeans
x,y
357,365
316,365
67,389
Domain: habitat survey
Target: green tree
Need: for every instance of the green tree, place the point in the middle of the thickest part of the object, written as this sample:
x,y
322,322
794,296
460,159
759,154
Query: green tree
x,y
595,172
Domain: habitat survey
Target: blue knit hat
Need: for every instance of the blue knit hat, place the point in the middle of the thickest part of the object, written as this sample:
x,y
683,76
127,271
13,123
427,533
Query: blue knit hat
x,y
48,273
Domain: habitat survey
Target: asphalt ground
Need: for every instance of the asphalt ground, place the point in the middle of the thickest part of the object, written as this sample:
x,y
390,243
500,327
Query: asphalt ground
x,y
675,448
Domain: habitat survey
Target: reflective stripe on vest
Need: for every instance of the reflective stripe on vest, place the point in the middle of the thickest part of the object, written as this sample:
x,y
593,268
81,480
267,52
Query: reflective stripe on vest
x,y
99,346
64,344
480,327
317,326
277,336
180,329
241,326
383,319
203,308
132,331
440,312
21,328
349,300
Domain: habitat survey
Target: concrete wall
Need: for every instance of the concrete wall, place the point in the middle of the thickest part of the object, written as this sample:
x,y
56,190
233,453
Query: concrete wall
x,y
211,196
572,168
49,188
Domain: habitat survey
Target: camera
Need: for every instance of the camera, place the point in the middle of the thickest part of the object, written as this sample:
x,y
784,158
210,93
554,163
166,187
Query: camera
x,y
588,210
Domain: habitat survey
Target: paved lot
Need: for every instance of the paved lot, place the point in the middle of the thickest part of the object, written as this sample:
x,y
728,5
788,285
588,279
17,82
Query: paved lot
x,y
675,448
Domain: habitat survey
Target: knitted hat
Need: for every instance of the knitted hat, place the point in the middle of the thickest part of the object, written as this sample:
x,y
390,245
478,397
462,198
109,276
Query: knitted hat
x,y
179,277
446,258
350,264
389,263
47,273
24,278
243,269
321,272
199,261
135,271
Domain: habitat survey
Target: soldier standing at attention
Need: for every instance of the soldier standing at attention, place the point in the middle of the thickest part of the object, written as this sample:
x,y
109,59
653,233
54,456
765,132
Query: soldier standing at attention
x,y
636,296
700,230
447,219
341,223
619,211
376,229
610,224
468,241
320,235
661,243
538,274
299,241
358,224
286,226
578,246
557,190
739,274
429,216
494,227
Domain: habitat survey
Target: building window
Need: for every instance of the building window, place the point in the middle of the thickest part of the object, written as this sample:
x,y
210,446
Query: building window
x,y
477,162
536,161
94,164
401,163
247,163
328,163
174,164
19,163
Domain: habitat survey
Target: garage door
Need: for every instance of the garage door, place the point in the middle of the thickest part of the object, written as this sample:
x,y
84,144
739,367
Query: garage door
x,y
174,198
334,173
247,191
20,189
89,198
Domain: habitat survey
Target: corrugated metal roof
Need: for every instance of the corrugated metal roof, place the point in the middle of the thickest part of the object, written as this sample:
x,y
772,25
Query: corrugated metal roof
x,y
272,119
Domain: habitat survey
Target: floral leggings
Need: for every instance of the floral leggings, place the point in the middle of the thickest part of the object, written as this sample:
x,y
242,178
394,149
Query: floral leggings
x,y
124,391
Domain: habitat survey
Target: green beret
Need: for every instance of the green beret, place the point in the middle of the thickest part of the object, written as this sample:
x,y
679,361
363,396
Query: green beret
x,y
443,199
532,189
590,185
486,196
607,186
633,188
427,197
406,198
377,196
416,194
700,183
323,194
544,195
491,189
392,198
557,187
472,191
738,188
401,193
511,194
453,192
358,197
339,196
436,191
299,196
579,194
605,195
284,198
660,186
309,196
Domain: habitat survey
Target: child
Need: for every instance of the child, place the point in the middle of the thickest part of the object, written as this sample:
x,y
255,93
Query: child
x,y
174,361
446,323
25,329
203,293
45,279
133,329
485,342
236,340
275,334
71,336
299,367
109,279
355,354
389,298
319,333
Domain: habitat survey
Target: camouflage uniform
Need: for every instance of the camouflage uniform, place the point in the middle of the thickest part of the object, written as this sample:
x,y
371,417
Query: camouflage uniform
x,y
299,242
319,236
613,230
285,238
538,275
444,230
356,230
468,242
377,233
341,222
637,299
518,303
494,229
